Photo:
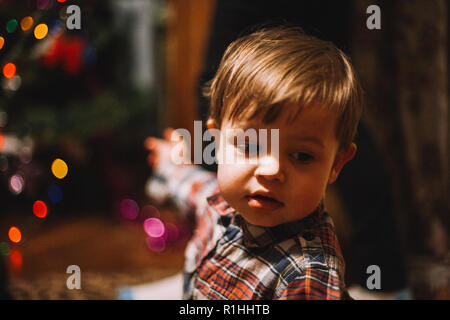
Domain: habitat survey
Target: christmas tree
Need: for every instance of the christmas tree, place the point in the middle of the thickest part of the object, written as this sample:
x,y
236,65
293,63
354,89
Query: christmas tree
x,y
70,90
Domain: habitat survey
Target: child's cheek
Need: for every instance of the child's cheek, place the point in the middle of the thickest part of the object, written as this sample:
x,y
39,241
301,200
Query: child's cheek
x,y
232,181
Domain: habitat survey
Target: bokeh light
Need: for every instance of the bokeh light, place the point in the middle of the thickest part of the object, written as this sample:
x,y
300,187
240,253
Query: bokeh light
x,y
15,257
2,140
89,56
55,26
40,31
9,70
2,42
172,234
43,4
150,212
156,244
61,1
11,25
16,184
55,194
13,83
59,168
25,154
40,209
154,227
4,249
26,23
129,209
14,234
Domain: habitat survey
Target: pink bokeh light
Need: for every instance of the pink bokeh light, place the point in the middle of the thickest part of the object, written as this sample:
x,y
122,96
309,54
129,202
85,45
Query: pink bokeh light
x,y
154,227
129,209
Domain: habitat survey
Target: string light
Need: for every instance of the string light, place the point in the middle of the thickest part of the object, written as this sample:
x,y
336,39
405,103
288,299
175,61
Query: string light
x,y
14,234
9,70
11,25
16,184
154,227
16,259
40,209
55,26
171,233
156,244
59,168
43,4
150,212
129,209
4,249
13,83
55,194
40,31
26,23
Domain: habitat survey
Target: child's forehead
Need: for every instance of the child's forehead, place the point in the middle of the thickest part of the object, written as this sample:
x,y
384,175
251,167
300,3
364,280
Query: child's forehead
x,y
312,126
292,124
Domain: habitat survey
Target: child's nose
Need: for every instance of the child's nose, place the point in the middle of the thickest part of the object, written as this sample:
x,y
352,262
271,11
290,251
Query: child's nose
x,y
269,168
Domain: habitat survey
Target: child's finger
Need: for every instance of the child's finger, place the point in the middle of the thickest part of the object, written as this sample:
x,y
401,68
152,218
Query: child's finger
x,y
149,143
168,133
151,160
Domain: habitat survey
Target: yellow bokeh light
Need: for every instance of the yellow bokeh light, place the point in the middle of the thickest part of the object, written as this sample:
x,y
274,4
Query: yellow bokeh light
x,y
2,42
59,168
40,31
26,23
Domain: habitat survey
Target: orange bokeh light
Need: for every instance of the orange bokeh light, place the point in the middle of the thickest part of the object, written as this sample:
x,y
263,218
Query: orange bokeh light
x,y
15,257
14,234
9,70
40,209
26,23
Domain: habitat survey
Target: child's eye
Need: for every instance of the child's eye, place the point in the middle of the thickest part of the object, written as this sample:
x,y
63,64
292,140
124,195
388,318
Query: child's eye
x,y
250,149
302,157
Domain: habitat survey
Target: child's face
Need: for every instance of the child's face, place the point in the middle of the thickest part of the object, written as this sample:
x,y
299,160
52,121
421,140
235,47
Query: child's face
x,y
309,159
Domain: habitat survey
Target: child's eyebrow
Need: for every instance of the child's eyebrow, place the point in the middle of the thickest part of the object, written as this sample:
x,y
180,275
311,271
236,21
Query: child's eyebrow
x,y
311,139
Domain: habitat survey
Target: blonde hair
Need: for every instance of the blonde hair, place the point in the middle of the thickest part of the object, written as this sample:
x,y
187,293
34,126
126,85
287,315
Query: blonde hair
x,y
282,68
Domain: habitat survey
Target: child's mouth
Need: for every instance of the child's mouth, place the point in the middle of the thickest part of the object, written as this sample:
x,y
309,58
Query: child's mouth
x,y
263,202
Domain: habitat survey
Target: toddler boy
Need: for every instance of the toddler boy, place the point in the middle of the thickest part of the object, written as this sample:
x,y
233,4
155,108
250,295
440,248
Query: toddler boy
x,y
261,229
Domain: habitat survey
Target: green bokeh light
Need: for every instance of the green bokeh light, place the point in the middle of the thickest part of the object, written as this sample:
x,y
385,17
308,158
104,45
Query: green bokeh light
x,y
4,249
11,25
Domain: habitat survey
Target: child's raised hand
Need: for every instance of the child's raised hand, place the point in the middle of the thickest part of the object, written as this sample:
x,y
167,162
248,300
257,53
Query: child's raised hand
x,y
161,149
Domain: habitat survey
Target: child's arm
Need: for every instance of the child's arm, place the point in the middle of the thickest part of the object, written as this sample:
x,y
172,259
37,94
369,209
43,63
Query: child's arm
x,y
186,184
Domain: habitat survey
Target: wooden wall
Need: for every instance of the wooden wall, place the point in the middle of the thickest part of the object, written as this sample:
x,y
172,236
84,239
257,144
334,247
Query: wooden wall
x,y
187,34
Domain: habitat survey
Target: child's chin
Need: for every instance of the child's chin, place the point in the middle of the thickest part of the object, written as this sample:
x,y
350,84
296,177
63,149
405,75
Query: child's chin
x,y
260,221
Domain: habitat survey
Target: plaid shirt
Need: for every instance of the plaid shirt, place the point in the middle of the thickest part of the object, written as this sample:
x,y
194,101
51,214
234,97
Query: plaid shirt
x,y
229,258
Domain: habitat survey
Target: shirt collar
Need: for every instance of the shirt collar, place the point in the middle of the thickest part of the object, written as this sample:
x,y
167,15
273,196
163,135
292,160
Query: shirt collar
x,y
257,236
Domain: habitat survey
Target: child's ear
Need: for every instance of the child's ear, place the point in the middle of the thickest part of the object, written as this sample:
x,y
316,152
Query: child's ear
x,y
343,156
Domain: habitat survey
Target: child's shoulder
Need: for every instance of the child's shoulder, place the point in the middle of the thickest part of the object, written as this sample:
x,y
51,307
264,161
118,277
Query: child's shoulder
x,y
317,245
314,245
